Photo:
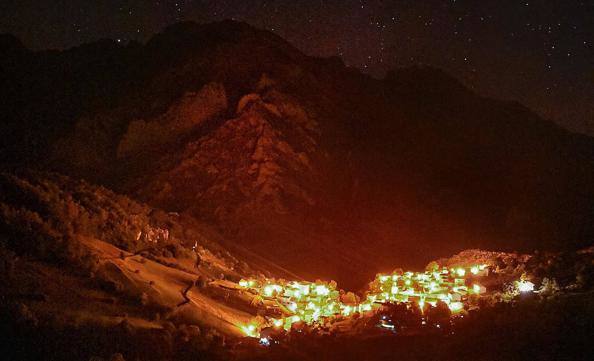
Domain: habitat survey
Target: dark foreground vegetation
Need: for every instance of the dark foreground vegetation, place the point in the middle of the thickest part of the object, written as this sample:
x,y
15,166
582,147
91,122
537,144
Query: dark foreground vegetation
x,y
529,330
532,329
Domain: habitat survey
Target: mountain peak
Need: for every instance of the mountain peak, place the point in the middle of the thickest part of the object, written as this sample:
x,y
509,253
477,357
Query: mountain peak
x,y
195,35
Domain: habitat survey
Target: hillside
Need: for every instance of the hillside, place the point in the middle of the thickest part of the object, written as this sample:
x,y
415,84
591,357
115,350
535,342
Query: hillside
x,y
78,259
88,274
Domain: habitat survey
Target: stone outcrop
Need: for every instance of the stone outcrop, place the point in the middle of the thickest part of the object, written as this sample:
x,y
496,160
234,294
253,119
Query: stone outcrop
x,y
187,114
259,160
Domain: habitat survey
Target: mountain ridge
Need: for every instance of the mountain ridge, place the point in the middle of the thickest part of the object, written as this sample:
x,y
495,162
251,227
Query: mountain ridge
x,y
301,159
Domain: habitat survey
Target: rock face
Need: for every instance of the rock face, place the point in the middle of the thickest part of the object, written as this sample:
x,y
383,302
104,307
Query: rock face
x,y
255,162
326,171
184,116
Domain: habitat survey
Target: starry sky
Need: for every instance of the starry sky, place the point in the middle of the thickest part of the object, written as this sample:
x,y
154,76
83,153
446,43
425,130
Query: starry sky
x,y
538,52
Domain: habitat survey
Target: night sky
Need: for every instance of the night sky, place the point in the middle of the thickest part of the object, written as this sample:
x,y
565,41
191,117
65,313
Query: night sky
x,y
540,53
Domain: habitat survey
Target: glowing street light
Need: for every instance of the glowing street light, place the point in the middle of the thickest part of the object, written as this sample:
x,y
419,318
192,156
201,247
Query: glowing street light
x,y
525,286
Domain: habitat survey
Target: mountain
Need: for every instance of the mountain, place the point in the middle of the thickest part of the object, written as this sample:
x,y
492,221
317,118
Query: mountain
x,y
320,169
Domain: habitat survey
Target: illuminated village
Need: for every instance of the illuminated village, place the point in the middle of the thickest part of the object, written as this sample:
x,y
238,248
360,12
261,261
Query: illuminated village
x,y
290,305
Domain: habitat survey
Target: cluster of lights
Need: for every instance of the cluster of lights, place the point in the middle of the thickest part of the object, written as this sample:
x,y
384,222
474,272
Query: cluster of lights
x,y
306,302
525,286
448,285
317,302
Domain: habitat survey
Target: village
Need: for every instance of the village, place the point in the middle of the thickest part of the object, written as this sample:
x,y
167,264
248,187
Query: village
x,y
437,295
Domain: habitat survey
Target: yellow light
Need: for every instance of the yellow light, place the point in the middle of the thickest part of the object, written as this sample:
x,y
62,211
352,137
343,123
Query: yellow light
x,y
268,290
409,292
364,307
394,290
525,286
383,279
347,310
476,288
304,289
456,306
459,289
474,270
461,272
407,282
442,296
249,330
316,315
322,290
278,322
243,283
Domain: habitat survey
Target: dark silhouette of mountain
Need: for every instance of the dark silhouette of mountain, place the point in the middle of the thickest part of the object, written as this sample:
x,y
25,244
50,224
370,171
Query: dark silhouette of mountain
x,y
324,170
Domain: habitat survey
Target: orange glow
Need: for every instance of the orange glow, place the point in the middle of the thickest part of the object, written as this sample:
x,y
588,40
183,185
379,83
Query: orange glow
x,y
320,302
